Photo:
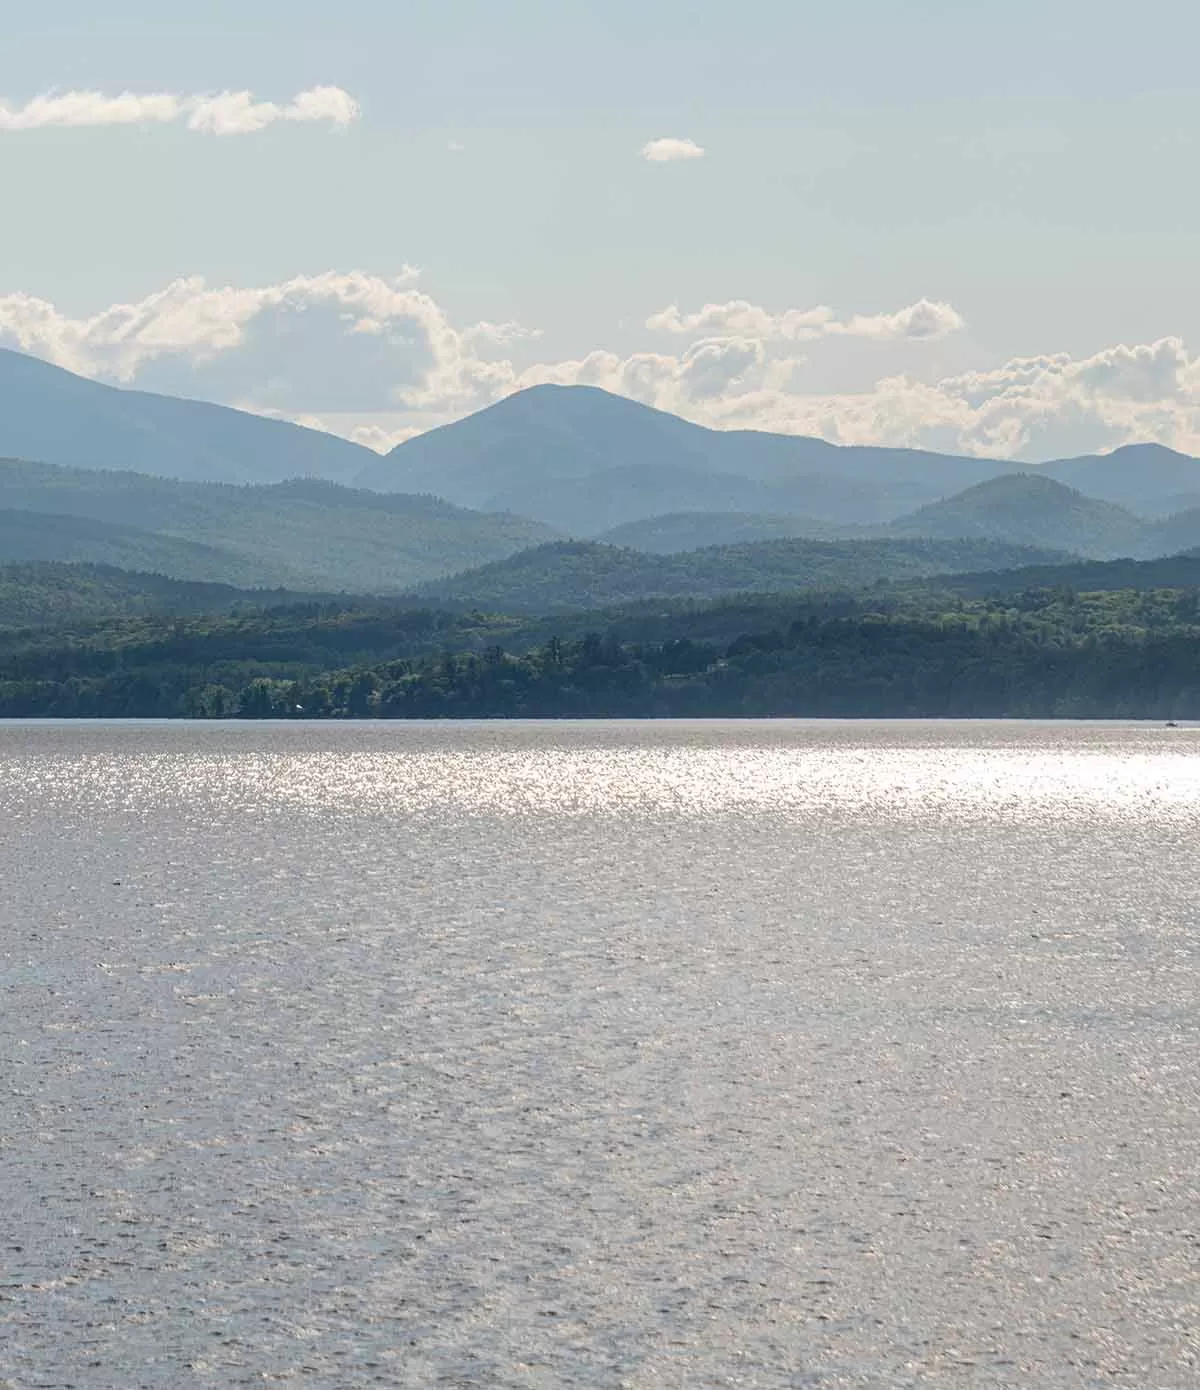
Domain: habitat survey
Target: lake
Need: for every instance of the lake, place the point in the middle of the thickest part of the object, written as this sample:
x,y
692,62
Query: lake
x,y
603,1055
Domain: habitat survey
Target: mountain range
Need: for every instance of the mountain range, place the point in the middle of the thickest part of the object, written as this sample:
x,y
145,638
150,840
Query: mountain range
x,y
309,535
578,459
561,496
585,461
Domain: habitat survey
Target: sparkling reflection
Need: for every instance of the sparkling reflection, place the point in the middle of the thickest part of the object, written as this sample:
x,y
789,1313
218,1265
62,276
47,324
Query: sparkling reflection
x,y
952,771
617,1056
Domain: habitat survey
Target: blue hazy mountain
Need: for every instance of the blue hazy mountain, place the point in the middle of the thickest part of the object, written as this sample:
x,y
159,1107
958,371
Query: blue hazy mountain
x,y
54,416
1147,478
577,459
29,536
1032,509
584,460
303,534
1028,509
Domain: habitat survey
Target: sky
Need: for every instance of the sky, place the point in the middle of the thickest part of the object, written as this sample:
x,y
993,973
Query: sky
x,y
968,227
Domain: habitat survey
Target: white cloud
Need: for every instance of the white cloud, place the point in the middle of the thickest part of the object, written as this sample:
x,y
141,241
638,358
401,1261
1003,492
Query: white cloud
x,y
1039,407
91,109
323,104
1028,407
378,359
926,319
237,113
668,148
718,367
738,316
319,342
221,113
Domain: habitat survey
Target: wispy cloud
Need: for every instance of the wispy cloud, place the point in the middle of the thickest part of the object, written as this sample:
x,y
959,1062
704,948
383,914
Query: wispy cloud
x,y
669,148
219,113
91,109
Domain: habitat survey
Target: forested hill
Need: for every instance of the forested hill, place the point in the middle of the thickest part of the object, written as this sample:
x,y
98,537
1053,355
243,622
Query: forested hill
x,y
1026,509
302,534
1080,576
52,594
574,575
671,532
75,595
29,537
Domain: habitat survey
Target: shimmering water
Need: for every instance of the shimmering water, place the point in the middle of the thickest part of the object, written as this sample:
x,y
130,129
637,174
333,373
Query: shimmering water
x,y
599,1055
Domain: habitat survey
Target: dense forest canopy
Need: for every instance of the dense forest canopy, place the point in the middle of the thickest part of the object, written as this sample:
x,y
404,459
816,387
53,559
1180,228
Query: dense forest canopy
x,y
566,576
896,652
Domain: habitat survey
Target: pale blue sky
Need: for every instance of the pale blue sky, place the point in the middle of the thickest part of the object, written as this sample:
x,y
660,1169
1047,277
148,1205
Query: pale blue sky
x,y
1030,164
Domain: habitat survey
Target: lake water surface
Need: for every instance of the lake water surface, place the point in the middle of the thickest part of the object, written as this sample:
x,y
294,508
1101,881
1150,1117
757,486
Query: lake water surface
x,y
599,1055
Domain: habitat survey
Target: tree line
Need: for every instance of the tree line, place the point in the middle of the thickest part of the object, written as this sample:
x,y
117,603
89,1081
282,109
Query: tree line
x,y
1049,653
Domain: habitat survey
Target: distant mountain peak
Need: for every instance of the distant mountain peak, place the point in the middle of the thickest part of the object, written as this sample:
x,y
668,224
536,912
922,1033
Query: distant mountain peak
x,y
583,459
546,407
1147,450
51,415
565,390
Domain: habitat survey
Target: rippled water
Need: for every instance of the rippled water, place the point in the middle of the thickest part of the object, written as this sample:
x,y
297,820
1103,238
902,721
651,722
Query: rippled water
x,y
660,1055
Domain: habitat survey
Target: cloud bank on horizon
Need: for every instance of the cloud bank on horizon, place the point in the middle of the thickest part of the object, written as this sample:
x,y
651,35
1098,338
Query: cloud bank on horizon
x,y
219,113
378,359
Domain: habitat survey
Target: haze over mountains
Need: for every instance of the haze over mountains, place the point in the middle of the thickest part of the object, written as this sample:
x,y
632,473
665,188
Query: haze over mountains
x,y
585,461
1033,509
204,493
49,415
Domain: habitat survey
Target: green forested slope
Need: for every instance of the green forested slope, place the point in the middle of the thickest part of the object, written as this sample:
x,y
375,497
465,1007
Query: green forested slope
x,y
27,536
300,534
1024,509
673,532
579,574
53,595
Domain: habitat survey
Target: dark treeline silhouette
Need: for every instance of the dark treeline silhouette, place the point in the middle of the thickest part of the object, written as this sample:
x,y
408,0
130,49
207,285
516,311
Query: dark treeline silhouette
x,y
1052,653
